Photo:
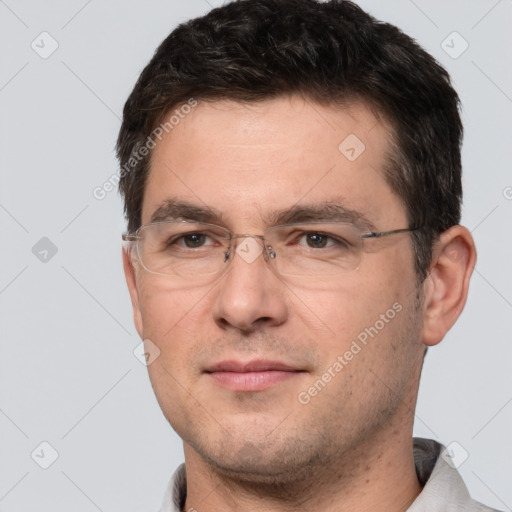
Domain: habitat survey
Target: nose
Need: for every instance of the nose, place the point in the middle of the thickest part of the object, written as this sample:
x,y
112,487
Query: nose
x,y
250,296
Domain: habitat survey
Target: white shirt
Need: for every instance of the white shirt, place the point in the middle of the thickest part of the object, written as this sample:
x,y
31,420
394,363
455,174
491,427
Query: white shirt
x,y
443,488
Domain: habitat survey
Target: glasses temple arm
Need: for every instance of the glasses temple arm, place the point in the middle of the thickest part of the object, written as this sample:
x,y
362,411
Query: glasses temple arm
x,y
379,234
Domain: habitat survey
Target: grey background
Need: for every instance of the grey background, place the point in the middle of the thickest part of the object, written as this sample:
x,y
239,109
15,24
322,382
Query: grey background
x,y
68,375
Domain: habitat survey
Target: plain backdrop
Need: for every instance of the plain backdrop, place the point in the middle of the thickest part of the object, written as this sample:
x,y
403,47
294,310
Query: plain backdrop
x,y
69,377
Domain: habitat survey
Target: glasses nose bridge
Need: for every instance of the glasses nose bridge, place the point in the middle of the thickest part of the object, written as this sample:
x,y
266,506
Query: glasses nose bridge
x,y
268,252
246,235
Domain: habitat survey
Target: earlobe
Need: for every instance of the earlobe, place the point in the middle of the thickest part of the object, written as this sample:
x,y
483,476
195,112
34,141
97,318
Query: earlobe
x,y
447,284
131,281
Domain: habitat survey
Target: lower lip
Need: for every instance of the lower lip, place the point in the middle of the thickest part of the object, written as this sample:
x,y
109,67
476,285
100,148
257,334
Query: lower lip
x,y
252,381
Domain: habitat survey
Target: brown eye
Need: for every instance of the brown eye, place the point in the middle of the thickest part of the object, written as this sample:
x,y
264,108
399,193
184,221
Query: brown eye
x,y
194,240
316,240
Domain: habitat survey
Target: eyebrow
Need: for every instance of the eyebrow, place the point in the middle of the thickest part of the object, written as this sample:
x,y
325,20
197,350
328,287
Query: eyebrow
x,y
173,209
327,211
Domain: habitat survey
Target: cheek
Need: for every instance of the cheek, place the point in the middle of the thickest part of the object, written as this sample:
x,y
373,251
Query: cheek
x,y
176,321
166,306
173,319
340,311
363,319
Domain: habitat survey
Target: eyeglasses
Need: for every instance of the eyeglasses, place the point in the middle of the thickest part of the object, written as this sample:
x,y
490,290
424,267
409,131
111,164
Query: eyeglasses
x,y
191,249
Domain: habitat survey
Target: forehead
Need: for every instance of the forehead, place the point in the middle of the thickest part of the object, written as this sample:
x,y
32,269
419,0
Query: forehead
x,y
247,160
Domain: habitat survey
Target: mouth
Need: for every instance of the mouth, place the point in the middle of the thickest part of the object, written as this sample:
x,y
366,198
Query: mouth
x,y
255,375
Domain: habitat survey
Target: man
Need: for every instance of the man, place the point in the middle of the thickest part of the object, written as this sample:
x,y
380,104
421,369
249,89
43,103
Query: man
x,y
292,182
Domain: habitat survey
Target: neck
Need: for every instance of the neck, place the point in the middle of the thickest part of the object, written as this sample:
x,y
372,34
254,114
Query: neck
x,y
377,475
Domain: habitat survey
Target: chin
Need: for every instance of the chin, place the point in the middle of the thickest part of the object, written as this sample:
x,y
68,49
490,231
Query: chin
x,y
258,461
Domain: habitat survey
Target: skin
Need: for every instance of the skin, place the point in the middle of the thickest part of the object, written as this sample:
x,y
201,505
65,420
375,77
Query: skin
x,y
350,447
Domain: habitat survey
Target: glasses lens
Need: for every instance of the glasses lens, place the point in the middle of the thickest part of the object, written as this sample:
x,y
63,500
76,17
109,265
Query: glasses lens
x,y
182,248
314,249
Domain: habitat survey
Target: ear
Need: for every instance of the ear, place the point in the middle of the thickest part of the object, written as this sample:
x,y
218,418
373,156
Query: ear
x,y
131,281
447,283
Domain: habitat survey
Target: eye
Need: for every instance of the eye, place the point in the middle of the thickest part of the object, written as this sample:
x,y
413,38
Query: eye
x,y
315,240
191,241
194,240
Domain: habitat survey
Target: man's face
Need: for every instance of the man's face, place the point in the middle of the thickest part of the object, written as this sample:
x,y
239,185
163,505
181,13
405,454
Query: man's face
x,y
247,163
